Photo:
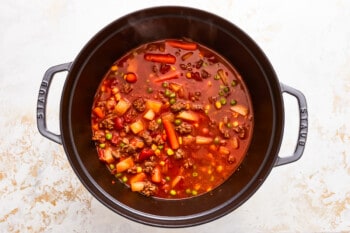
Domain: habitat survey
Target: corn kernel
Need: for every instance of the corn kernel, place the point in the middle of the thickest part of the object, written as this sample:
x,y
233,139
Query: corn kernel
x,y
162,163
219,168
157,152
188,75
235,123
154,147
218,104
173,192
114,68
139,169
169,151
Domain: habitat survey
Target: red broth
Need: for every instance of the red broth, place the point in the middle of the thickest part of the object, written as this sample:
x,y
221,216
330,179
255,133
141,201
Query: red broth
x,y
172,119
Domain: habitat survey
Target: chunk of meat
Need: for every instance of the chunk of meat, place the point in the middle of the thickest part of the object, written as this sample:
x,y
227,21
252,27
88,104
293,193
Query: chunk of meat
x,y
184,128
139,104
153,125
178,106
149,189
147,138
179,154
99,135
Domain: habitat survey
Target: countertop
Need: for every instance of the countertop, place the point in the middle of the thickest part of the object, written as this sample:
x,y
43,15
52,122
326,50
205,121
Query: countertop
x,y
308,43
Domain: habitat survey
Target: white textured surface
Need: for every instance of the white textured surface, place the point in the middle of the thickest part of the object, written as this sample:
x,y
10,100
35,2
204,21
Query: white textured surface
x,y
308,43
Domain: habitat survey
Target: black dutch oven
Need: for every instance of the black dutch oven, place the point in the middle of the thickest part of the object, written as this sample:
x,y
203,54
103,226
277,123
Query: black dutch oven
x,y
130,31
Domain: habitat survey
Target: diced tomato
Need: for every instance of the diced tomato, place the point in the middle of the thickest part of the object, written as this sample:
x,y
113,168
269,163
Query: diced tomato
x,y
145,154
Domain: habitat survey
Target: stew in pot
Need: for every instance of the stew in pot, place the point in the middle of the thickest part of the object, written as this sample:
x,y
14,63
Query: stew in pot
x,y
172,119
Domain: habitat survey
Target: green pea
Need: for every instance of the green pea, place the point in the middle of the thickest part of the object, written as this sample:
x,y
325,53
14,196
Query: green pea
x,y
177,121
167,92
194,192
165,84
102,145
233,83
233,102
108,136
172,101
149,90
223,100
216,140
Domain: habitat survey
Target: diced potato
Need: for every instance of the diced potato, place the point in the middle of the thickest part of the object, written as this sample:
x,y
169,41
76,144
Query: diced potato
x,y
125,164
122,106
154,105
137,186
188,116
139,144
203,140
137,126
243,110
224,150
138,177
188,140
156,175
107,156
149,115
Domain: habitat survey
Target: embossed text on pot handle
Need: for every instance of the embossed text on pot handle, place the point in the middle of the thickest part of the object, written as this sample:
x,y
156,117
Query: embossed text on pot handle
x,y
42,100
303,126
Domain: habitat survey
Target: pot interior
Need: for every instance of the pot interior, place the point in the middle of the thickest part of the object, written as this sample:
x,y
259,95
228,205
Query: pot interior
x,y
149,25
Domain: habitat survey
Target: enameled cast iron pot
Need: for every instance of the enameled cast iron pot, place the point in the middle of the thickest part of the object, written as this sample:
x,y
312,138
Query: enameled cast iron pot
x,y
130,31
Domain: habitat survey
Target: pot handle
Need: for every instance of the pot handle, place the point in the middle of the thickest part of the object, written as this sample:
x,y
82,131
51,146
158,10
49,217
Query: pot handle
x,y
303,126
42,100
